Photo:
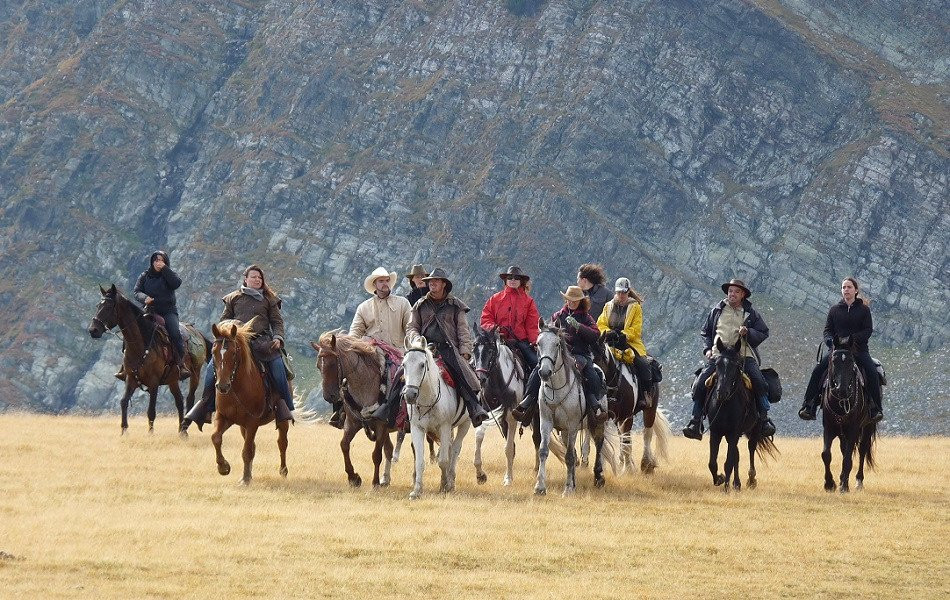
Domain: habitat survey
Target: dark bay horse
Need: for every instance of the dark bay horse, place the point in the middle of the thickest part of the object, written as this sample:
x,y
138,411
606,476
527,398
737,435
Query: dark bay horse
x,y
502,379
845,416
241,396
623,392
144,359
352,371
732,414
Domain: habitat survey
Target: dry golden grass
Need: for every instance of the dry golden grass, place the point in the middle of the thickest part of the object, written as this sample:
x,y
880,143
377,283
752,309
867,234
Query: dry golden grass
x,y
88,514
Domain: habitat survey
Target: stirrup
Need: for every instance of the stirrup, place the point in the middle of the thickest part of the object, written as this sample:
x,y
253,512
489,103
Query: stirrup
x,y
367,411
807,412
694,429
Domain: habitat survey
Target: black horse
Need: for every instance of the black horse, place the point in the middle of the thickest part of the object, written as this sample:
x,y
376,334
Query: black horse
x,y
732,413
846,416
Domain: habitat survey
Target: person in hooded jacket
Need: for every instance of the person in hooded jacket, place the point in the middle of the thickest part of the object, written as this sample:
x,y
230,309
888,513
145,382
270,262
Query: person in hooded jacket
x,y
155,289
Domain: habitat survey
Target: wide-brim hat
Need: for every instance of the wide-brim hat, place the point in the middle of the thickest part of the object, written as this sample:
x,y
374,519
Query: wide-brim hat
x,y
439,273
739,284
380,272
416,270
573,294
514,272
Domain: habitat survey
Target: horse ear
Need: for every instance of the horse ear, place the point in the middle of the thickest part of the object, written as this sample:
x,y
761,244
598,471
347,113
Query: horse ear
x,y
112,289
215,330
494,329
738,345
316,347
233,331
102,290
333,341
541,323
719,345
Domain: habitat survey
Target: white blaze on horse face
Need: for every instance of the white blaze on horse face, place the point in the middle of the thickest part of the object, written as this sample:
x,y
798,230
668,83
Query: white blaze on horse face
x,y
220,360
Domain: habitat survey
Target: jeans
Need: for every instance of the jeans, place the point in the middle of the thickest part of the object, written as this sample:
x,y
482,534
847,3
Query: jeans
x,y
174,333
529,353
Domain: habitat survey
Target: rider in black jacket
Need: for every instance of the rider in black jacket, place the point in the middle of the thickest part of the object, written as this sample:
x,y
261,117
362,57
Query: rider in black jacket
x,y
155,289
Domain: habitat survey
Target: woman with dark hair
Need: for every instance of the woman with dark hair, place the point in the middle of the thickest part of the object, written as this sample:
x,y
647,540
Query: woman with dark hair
x,y
253,299
416,277
155,289
591,278
849,322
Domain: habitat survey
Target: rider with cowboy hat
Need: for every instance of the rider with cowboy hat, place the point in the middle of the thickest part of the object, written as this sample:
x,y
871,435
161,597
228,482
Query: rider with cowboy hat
x,y
419,289
440,318
515,315
731,320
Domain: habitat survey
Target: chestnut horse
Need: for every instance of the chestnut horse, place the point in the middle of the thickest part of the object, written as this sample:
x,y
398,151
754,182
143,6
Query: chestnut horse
x,y
241,396
143,358
352,371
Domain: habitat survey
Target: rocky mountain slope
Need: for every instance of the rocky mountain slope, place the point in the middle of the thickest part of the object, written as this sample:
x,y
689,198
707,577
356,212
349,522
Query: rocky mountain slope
x,y
680,143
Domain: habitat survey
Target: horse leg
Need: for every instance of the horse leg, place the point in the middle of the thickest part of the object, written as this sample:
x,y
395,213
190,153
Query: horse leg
x,y
510,448
220,426
541,486
826,458
751,483
714,441
585,447
648,461
282,428
152,398
433,457
847,461
418,450
400,436
124,403
445,455
598,435
734,451
569,438
864,446
388,455
480,475
536,438
460,432
350,429
377,455
179,402
193,385
250,448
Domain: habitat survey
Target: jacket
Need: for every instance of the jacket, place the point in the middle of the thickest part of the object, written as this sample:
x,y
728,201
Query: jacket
x,y
384,320
268,327
758,330
583,339
450,316
632,325
850,321
512,308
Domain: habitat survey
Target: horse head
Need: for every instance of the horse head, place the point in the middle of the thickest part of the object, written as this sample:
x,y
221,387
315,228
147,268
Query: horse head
x,y
228,352
550,344
415,365
107,313
328,363
728,367
485,352
842,373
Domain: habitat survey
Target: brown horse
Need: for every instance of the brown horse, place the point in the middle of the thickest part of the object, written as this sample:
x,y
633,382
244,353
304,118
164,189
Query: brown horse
x,y
241,396
352,371
144,357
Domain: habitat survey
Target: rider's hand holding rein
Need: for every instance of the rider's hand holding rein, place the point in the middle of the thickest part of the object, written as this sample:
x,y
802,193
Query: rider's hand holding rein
x,y
572,322
276,344
743,331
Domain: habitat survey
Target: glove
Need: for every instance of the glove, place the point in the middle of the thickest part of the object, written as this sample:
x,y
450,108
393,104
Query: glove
x,y
846,340
572,322
829,342
611,336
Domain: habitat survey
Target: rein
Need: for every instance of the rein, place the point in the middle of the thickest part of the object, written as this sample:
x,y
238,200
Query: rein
x,y
849,403
427,408
555,369
232,392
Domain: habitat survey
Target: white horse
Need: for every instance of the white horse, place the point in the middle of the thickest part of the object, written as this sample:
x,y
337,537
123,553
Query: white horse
x,y
502,380
561,407
434,407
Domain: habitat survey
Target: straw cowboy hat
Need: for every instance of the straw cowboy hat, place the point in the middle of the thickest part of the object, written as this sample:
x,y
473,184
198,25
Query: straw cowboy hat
x,y
379,273
573,294
514,272
739,284
439,273
416,270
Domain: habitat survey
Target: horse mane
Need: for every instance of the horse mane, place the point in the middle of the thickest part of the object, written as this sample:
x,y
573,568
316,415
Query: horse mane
x,y
347,343
243,335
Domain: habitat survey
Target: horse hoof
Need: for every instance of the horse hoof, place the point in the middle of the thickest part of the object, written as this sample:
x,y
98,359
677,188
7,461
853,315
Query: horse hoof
x,y
752,483
356,481
647,469
183,435
245,482
506,482
384,483
830,487
859,486
414,495
224,468
720,479
844,489
395,458
585,462
600,482
540,492
737,486
725,488
567,492
283,472
481,478
125,430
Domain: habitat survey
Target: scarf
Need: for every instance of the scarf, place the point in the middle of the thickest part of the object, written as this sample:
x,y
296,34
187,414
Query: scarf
x,y
256,294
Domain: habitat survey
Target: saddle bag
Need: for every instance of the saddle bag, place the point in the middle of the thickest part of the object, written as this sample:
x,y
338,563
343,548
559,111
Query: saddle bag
x,y
656,370
880,371
774,383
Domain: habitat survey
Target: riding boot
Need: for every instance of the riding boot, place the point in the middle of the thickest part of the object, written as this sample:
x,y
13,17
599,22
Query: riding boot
x,y
808,410
338,416
766,426
694,430
595,412
524,412
120,374
875,415
475,410
183,372
389,410
282,411
200,413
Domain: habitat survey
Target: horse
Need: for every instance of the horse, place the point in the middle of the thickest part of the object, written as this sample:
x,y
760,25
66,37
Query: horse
x,y
732,413
502,379
241,396
561,407
143,357
845,415
434,407
623,395
352,370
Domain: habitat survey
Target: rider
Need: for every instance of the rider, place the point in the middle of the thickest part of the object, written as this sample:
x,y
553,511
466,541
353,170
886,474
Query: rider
x,y
515,315
580,333
253,299
383,317
621,322
730,320
440,318
848,321
419,289
591,278
155,289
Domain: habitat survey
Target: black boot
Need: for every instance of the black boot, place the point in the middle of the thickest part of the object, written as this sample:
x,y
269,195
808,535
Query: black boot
x,y
475,411
338,416
807,411
120,375
524,412
694,430
766,426
282,411
200,413
183,372
875,415
595,412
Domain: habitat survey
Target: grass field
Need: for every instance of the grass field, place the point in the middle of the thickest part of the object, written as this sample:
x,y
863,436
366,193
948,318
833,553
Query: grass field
x,y
85,513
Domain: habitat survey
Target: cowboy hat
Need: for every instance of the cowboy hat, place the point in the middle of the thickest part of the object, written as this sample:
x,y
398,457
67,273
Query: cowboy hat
x,y
439,273
379,273
514,272
416,270
573,294
739,284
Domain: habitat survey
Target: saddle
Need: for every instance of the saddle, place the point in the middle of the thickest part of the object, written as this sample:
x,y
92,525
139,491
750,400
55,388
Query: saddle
x,y
446,376
520,362
712,379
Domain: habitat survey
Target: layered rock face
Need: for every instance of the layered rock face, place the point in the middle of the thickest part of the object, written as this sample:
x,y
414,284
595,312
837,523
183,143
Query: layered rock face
x,y
679,143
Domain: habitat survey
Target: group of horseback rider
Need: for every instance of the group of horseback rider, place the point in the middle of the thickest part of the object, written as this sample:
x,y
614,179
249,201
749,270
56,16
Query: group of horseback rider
x,y
432,312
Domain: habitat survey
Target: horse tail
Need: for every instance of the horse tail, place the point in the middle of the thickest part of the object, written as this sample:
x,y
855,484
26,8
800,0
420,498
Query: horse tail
x,y
611,447
661,428
867,444
557,448
765,447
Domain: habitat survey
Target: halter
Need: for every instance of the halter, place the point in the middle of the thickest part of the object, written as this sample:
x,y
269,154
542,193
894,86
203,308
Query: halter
x,y
732,393
148,345
555,369
494,363
427,407
848,403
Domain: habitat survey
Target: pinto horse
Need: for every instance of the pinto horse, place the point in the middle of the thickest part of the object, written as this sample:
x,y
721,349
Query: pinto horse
x,y
845,416
502,380
241,396
623,393
143,356
352,370
732,414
